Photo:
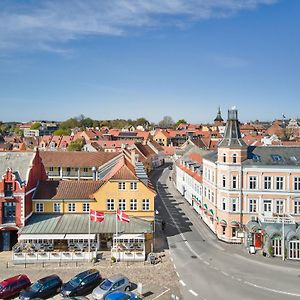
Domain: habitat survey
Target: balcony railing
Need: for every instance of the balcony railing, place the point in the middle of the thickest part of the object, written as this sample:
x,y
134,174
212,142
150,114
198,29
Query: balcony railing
x,y
70,174
53,173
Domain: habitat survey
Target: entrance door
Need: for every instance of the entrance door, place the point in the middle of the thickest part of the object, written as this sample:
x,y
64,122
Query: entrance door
x,y
294,250
5,240
257,240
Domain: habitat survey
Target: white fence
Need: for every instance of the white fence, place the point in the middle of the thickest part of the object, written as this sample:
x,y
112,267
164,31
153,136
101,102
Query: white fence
x,y
38,257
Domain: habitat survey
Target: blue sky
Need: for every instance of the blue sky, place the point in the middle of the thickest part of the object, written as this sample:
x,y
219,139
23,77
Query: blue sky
x,y
133,58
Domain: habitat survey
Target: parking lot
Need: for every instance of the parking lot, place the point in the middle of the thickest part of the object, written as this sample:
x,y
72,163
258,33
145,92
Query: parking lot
x,y
159,281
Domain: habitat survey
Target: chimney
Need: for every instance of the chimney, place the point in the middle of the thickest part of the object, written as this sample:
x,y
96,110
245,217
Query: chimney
x,y
133,157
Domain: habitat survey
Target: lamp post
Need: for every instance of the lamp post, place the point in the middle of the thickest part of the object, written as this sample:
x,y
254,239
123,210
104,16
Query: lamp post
x,y
283,248
155,213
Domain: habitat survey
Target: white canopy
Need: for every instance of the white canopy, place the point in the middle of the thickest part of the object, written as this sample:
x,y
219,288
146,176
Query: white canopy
x,y
23,237
130,237
80,236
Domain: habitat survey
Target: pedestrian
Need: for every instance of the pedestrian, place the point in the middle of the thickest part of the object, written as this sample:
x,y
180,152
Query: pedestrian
x,y
163,225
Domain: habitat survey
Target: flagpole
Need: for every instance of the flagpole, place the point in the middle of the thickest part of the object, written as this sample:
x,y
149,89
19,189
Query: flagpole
x,y
89,234
116,234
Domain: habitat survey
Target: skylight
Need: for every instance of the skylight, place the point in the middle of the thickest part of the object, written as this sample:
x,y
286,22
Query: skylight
x,y
276,157
293,158
255,157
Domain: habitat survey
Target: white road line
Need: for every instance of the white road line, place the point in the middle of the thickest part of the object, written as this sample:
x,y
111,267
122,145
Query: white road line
x,y
224,273
206,262
182,283
161,294
174,266
271,290
193,293
177,274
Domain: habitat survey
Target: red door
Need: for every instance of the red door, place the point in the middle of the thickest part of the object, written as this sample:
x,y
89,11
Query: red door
x,y
257,240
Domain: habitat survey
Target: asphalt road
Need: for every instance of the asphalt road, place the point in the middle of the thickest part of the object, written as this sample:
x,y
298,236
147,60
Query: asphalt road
x,y
210,269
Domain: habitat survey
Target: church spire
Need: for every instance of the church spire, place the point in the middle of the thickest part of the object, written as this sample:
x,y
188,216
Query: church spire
x,y
219,118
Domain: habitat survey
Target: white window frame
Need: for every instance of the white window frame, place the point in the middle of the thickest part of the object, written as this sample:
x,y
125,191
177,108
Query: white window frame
x,y
39,207
110,204
85,207
296,183
234,182
252,182
133,185
122,185
297,206
146,204
122,204
252,205
267,203
133,204
279,206
267,182
72,207
55,205
279,181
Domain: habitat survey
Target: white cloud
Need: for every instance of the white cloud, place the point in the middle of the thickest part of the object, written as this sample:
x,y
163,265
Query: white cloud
x,y
43,24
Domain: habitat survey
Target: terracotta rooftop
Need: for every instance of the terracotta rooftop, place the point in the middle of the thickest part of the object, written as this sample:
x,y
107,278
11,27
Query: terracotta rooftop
x,y
65,189
76,159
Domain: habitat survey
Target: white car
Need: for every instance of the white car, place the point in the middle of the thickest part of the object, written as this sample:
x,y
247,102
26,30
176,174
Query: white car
x,y
116,282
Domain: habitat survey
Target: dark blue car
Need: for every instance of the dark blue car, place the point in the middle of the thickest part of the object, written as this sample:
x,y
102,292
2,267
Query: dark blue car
x,y
44,288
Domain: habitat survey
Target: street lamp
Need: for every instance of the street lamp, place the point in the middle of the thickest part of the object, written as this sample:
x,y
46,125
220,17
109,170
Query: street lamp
x,y
155,214
283,248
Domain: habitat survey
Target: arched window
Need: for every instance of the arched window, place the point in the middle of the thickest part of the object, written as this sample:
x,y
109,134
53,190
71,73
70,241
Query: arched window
x,y
224,158
234,158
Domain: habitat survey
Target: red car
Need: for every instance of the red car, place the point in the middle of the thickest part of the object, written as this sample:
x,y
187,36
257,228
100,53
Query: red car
x,y
11,287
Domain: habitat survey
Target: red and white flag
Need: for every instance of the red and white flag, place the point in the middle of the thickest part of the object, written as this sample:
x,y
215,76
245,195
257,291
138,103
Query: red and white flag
x,y
96,216
122,216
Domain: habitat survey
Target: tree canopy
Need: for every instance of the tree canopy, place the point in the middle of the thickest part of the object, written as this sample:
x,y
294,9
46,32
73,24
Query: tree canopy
x,y
166,122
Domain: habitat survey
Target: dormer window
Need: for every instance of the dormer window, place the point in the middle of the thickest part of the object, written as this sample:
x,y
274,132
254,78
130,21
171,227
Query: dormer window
x,y
234,158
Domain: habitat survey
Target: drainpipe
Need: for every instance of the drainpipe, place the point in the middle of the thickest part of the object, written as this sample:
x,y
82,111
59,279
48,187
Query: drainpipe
x,y
241,197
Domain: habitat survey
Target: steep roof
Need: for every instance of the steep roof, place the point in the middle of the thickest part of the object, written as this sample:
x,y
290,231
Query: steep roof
x,y
66,189
19,162
76,159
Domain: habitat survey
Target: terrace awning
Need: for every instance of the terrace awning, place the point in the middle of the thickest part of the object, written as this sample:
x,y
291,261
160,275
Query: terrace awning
x,y
23,237
223,223
80,236
234,223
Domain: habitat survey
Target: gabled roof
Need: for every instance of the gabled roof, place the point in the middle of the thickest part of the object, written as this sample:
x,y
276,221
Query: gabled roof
x,y
76,159
66,189
19,162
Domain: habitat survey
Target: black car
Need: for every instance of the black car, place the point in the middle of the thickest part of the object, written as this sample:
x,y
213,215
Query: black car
x,y
82,284
43,288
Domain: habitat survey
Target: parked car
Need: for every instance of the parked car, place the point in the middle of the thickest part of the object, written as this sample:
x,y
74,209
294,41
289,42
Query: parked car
x,y
117,282
119,295
82,284
11,287
43,288
171,167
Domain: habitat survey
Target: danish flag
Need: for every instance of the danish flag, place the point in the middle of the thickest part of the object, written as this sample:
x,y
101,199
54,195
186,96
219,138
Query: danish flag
x,y
96,216
122,216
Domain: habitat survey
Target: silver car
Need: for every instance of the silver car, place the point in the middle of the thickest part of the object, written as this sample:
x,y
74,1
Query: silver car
x,y
116,282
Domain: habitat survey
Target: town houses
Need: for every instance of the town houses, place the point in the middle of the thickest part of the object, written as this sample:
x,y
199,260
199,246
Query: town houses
x,y
249,194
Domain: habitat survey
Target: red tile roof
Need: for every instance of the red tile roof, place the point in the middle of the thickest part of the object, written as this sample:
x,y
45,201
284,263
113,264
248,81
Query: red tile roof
x,y
67,189
76,159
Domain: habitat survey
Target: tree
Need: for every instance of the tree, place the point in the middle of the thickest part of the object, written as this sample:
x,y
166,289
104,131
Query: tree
x,y
166,122
181,121
76,145
18,131
62,131
35,126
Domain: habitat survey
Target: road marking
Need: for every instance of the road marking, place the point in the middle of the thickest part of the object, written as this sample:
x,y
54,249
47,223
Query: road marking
x,y
161,294
271,290
206,262
193,293
182,283
224,273
174,266
177,274
172,259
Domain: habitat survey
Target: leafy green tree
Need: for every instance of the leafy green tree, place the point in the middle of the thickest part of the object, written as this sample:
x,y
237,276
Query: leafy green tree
x,y
35,125
76,145
18,131
62,131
